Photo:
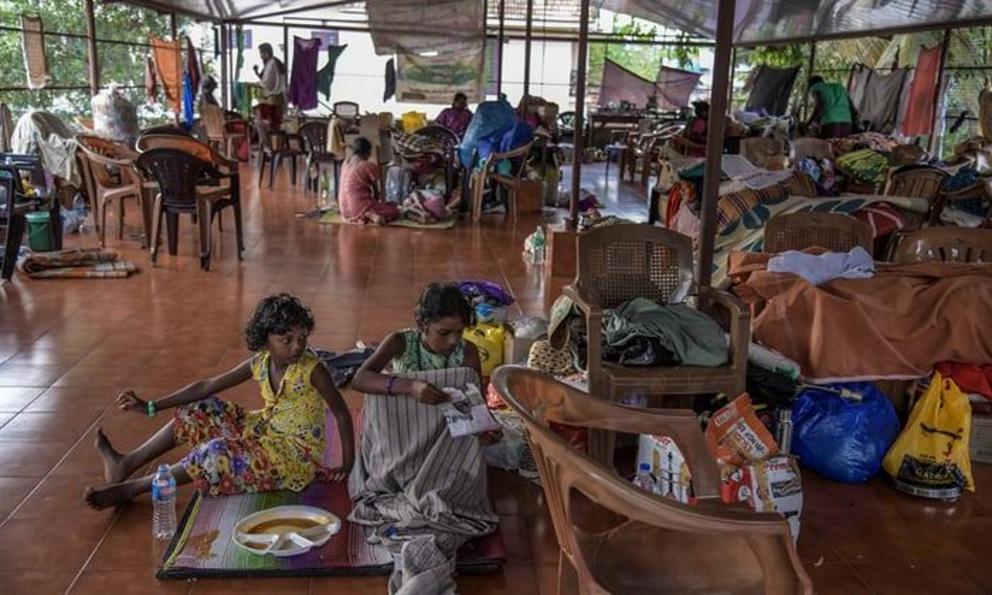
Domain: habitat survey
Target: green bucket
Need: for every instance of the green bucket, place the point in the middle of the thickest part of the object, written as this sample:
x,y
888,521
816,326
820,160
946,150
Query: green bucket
x,y
39,231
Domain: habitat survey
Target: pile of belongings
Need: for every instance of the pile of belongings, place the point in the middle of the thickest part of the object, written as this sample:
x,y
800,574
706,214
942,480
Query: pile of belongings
x,y
79,263
865,165
641,332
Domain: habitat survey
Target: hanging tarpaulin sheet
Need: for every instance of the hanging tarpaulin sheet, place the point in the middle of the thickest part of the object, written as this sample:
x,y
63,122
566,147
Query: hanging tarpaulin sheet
x,y
620,84
920,107
675,86
436,78
35,61
758,21
418,26
771,90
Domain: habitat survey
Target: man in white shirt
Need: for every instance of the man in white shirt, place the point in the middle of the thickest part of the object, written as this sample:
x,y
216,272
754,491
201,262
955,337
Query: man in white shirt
x,y
272,77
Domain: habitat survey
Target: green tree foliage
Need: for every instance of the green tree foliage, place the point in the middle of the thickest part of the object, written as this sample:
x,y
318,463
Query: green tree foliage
x,y
68,61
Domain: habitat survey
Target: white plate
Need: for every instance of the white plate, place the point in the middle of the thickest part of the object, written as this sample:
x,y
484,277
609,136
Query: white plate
x,y
287,530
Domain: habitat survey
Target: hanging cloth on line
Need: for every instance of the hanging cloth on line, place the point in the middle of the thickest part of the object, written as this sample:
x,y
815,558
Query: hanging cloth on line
x,y
193,65
881,99
325,77
189,99
168,65
303,80
33,44
390,90
151,81
918,120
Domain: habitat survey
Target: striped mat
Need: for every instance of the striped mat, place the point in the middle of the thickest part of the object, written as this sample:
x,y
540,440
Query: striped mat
x,y
204,546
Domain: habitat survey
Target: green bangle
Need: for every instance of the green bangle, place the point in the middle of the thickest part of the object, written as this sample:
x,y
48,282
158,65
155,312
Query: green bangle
x,y
151,409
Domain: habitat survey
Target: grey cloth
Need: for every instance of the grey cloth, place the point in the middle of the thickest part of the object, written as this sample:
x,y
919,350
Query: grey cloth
x,y
820,268
771,90
44,134
412,481
880,100
859,80
693,337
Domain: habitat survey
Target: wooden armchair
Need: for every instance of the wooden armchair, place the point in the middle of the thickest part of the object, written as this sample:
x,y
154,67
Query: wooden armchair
x,y
618,263
943,244
113,178
621,539
834,231
916,182
511,183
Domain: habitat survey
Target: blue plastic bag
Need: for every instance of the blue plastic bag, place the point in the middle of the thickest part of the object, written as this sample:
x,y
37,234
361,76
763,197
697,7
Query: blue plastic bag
x,y
843,439
492,119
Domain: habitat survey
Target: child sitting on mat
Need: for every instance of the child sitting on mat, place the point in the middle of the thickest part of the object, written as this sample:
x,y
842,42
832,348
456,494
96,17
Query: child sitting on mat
x,y
278,447
442,314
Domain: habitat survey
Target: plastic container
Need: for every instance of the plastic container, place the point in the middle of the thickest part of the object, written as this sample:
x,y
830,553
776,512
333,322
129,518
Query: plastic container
x,y
643,479
39,231
163,503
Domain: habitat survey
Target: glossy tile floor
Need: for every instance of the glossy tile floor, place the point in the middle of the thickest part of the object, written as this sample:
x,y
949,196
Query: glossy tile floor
x,y
68,347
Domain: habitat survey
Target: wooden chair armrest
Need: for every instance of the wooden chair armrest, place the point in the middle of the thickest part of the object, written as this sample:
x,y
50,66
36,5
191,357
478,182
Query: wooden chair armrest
x,y
582,300
739,324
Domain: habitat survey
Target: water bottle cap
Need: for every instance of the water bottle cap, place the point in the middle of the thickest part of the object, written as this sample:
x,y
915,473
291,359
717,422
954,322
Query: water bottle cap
x,y
645,467
163,468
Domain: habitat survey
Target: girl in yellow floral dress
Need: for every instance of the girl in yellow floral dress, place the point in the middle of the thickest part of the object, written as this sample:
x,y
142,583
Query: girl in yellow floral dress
x,y
280,446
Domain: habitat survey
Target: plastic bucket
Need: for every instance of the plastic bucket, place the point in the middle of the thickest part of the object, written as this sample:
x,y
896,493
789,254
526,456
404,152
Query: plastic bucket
x,y
39,231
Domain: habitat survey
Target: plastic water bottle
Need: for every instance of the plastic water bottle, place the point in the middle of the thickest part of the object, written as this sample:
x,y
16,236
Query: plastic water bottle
x,y
643,478
537,256
164,503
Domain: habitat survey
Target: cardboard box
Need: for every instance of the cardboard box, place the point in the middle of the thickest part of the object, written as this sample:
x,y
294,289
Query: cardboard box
x,y
774,485
981,439
530,197
671,474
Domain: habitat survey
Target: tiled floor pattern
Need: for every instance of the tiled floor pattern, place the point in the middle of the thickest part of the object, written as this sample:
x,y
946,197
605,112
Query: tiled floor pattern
x,y
67,348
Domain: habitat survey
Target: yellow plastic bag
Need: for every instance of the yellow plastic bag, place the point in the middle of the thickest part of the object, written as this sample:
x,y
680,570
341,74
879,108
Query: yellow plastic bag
x,y
413,121
932,451
488,339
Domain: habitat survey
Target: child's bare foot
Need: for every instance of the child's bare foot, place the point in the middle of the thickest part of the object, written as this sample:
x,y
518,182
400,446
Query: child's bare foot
x,y
114,470
107,496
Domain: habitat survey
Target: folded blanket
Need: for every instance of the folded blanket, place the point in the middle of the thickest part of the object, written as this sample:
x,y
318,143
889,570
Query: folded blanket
x,y
81,263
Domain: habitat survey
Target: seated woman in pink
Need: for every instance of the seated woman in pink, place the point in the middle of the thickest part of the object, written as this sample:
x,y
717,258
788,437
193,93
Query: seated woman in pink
x,y
359,196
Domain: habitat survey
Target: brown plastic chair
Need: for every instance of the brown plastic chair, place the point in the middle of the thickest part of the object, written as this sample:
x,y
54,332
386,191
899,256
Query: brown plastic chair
x,y
621,539
218,135
810,148
618,263
511,183
980,189
916,182
944,244
834,231
219,185
767,153
110,167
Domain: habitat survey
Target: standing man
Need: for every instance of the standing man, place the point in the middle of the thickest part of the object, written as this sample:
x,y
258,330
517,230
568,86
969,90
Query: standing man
x,y
272,80
833,112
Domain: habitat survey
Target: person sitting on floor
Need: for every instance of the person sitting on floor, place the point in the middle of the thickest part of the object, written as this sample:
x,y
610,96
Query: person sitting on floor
x,y
359,198
457,117
423,489
833,113
278,447
425,206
